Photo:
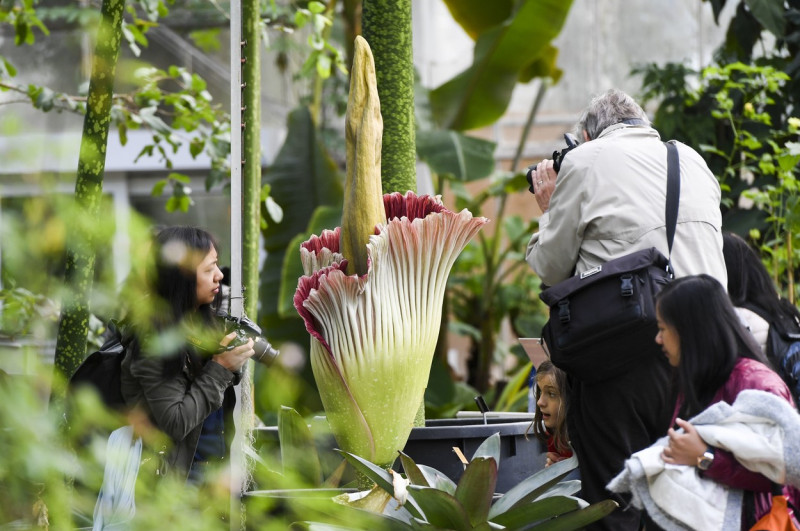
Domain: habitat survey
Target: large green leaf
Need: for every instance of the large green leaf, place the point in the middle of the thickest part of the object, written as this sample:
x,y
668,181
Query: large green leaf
x,y
476,488
770,14
489,448
302,178
533,486
532,513
452,153
479,95
440,508
298,452
578,519
437,480
380,477
476,16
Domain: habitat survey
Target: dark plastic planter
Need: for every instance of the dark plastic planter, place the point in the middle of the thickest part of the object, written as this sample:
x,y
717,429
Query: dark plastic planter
x,y
433,445
519,457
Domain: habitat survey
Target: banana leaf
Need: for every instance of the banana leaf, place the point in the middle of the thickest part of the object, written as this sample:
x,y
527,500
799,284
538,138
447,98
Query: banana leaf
x,y
517,48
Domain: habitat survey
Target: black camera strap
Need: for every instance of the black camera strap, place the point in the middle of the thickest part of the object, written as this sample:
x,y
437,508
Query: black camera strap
x,y
673,198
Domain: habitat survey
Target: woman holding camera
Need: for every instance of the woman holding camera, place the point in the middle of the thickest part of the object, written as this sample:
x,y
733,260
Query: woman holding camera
x,y
185,394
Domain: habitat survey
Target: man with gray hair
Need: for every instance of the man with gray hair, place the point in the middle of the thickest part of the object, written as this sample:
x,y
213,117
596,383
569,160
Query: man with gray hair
x,y
606,201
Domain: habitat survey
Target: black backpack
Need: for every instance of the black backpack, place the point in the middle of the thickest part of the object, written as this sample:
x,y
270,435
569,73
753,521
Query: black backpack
x,y
102,369
783,349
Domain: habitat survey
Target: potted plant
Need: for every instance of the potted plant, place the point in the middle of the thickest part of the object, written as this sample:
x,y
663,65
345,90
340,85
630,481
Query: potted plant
x,y
423,497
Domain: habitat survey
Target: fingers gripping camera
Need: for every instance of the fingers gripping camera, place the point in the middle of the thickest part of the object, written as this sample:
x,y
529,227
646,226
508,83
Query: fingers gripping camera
x,y
558,158
246,329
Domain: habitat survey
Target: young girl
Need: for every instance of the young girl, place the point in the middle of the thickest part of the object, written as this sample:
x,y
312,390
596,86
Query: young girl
x,y
549,420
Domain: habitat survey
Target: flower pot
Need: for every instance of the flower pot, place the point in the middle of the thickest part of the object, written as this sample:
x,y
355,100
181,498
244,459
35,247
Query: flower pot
x,y
520,456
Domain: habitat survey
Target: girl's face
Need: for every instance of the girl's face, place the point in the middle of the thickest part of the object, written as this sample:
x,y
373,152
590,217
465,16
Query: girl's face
x,y
669,340
208,278
549,402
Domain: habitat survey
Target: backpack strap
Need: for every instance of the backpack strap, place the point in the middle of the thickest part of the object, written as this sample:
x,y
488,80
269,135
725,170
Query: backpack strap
x,y
673,199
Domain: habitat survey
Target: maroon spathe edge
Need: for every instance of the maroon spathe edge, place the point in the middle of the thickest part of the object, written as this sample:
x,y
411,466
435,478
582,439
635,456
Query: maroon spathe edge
x,y
397,206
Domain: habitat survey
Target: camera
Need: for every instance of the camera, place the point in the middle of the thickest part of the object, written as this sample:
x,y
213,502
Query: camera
x,y
246,329
558,158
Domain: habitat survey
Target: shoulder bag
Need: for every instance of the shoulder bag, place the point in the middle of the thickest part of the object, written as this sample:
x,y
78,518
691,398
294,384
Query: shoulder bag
x,y
602,319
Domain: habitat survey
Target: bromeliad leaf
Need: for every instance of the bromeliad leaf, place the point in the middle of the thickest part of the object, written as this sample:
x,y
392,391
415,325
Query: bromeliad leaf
x,y
489,448
380,476
438,480
530,514
534,486
476,488
440,508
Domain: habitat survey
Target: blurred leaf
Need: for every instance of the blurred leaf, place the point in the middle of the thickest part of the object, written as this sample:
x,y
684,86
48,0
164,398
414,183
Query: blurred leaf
x,y
450,152
477,16
298,452
479,95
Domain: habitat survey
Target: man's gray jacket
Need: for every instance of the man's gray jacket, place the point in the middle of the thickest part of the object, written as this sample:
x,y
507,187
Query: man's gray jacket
x,y
610,200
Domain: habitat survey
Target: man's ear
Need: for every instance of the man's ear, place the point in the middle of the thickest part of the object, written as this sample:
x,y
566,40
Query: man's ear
x,y
586,136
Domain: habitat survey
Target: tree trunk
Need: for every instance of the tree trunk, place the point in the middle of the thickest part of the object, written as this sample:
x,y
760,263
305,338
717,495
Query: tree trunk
x,y
79,273
387,29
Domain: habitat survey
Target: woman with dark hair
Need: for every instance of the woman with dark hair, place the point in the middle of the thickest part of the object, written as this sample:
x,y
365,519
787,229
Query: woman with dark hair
x,y
177,368
716,358
774,321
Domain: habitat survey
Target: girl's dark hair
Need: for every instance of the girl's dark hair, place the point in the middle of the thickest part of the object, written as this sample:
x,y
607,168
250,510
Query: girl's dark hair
x,y
177,253
751,287
711,335
559,434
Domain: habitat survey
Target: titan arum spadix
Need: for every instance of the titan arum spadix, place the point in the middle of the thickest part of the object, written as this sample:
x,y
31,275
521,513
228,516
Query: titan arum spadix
x,y
374,329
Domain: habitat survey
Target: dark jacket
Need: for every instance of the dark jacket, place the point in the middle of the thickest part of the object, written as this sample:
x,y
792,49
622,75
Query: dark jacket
x,y
178,404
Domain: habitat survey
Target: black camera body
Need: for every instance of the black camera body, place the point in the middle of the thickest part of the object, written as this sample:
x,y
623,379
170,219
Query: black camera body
x,y
558,158
246,329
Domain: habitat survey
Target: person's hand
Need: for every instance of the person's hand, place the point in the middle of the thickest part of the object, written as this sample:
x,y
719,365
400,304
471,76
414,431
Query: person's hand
x,y
234,359
684,448
552,457
544,182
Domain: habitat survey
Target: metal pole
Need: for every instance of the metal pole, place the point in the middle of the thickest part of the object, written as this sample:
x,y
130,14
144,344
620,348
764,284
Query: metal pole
x,y
237,299
237,459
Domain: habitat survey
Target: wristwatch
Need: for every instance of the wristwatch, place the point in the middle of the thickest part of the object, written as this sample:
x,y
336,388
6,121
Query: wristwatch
x,y
705,460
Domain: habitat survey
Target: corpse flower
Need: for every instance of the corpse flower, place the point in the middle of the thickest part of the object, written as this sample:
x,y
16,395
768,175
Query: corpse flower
x,y
373,336
371,296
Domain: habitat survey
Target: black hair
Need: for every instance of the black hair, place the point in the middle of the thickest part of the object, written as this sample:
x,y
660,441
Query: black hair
x,y
178,252
711,335
750,285
559,434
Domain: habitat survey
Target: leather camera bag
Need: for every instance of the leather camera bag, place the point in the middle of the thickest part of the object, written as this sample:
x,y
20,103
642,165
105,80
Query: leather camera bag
x,y
601,319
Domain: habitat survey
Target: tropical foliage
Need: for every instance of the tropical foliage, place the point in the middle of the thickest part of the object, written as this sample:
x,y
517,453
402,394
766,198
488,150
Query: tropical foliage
x,y
742,112
424,498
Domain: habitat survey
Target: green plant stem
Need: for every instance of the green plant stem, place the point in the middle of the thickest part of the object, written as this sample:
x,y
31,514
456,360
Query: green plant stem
x,y
387,29
79,273
251,152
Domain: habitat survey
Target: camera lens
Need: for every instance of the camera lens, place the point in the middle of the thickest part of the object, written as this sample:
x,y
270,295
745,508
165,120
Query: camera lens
x,y
264,351
529,178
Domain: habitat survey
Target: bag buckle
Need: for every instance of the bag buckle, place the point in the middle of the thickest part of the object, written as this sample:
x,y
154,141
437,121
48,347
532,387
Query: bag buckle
x,y
563,311
626,288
